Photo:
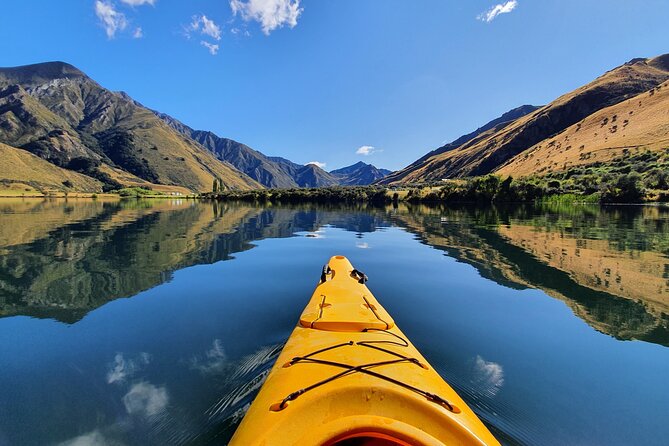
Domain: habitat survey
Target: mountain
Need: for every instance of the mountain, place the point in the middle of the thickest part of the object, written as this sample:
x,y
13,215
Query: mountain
x,y
309,175
489,128
274,171
24,172
621,132
253,163
488,151
59,114
359,174
313,176
287,166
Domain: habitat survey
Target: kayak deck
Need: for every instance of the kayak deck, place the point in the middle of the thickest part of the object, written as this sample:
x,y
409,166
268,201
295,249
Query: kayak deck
x,y
348,375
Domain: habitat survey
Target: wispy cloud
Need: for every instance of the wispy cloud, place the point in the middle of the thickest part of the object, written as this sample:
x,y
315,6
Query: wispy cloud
x,y
212,47
145,399
205,26
317,164
111,20
271,14
501,8
138,33
139,2
367,150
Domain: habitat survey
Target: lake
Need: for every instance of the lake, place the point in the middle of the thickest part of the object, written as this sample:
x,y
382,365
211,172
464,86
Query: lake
x,y
155,322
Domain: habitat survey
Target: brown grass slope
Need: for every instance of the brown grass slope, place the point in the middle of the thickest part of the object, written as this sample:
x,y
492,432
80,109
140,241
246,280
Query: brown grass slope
x,y
59,113
488,152
482,132
633,126
253,163
21,167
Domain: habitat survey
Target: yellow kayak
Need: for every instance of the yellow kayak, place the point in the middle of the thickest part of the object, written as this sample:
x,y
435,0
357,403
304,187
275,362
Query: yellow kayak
x,y
349,376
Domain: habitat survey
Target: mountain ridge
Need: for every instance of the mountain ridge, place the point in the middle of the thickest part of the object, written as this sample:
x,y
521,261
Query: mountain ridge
x,y
58,113
274,171
497,123
490,150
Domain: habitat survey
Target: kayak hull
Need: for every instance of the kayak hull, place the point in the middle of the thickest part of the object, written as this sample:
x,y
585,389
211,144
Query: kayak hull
x,y
347,371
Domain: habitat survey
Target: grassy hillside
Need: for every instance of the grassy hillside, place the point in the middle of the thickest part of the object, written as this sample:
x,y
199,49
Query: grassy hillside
x,y
253,163
632,127
490,150
56,112
479,134
23,172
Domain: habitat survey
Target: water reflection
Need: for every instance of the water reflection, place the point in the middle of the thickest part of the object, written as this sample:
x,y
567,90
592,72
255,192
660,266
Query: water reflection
x,y
178,363
610,265
63,259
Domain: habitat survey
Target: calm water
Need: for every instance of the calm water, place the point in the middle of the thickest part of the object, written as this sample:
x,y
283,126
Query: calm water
x,y
140,323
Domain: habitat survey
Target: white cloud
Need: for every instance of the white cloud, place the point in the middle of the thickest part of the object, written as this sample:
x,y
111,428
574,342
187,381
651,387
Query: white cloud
x,y
317,164
204,26
139,2
112,20
271,14
145,399
93,438
212,47
501,8
138,33
367,150
489,376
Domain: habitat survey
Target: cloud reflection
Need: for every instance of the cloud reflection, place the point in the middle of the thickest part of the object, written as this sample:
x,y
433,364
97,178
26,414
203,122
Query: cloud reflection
x,y
93,438
145,399
123,368
489,376
214,360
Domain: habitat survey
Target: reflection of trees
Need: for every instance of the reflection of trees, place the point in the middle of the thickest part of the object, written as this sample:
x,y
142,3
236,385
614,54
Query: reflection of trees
x,y
502,245
118,252
72,258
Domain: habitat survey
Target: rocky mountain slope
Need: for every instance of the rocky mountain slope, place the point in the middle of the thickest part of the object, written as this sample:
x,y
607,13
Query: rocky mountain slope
x,y
359,174
25,173
253,163
625,130
59,114
489,128
490,150
276,172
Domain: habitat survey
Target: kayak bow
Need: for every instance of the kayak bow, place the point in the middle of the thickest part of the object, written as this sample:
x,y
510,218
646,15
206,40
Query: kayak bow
x,y
349,376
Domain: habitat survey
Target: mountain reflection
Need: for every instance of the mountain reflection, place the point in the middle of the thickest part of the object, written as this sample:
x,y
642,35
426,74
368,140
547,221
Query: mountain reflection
x,y
62,259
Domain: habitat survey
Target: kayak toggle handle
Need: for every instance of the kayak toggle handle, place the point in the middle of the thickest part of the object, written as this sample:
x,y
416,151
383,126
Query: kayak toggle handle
x,y
326,271
359,276
442,402
277,407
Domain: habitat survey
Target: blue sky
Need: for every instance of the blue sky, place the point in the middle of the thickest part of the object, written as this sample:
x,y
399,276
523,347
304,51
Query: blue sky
x,y
316,80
